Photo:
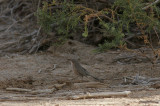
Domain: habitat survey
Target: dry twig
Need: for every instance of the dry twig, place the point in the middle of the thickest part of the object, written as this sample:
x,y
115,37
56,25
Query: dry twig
x,y
102,94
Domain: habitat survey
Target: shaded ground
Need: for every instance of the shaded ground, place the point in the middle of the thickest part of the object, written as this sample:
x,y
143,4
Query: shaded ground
x,y
36,72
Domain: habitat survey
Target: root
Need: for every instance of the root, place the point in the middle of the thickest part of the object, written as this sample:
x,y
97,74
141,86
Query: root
x,y
19,31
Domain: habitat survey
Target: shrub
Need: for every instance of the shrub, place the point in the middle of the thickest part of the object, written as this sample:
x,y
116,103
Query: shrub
x,y
117,22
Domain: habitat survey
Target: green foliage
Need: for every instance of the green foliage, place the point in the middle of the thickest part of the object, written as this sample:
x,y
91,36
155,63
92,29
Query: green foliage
x,y
85,33
115,32
129,13
122,17
65,19
132,12
44,18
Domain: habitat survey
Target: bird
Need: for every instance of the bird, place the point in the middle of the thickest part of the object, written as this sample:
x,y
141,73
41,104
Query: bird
x,y
80,71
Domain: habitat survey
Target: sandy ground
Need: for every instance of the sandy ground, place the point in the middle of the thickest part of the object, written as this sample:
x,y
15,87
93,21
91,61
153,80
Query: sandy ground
x,y
38,72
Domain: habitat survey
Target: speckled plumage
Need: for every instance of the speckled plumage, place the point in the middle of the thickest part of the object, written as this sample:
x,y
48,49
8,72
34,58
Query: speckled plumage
x,y
79,70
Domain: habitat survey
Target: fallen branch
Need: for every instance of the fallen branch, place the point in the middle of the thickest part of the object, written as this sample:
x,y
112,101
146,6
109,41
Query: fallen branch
x,y
18,89
89,85
34,92
102,94
43,91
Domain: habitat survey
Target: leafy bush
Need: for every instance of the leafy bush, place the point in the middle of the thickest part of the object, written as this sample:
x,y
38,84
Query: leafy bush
x,y
122,18
65,20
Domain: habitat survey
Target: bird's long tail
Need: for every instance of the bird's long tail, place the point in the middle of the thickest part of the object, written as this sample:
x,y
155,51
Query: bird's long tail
x,y
100,80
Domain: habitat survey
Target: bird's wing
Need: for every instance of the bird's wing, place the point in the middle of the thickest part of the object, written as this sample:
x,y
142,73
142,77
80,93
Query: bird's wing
x,y
84,71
